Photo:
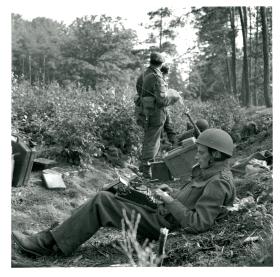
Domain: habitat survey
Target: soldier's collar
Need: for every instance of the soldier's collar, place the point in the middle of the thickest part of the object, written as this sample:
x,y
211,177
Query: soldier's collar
x,y
206,173
156,69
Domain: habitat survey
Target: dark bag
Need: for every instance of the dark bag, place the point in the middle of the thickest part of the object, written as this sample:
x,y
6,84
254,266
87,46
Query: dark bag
x,y
139,113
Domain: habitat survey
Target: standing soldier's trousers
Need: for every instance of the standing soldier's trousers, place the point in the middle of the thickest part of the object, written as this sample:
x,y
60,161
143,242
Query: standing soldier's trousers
x,y
152,135
168,129
104,210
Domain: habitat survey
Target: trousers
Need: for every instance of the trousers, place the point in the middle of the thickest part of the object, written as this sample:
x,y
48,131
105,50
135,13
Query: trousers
x,y
104,210
152,135
168,129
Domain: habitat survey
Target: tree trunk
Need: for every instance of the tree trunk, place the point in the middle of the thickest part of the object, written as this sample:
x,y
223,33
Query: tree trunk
x,y
233,49
23,58
228,74
243,92
44,71
160,33
250,49
255,98
229,83
243,19
30,79
265,58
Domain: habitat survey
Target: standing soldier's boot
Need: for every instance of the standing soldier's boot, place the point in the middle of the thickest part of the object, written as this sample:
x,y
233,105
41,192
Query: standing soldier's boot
x,y
40,244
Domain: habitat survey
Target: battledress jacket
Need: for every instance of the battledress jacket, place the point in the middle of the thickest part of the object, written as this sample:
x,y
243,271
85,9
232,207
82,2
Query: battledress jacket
x,y
151,83
202,200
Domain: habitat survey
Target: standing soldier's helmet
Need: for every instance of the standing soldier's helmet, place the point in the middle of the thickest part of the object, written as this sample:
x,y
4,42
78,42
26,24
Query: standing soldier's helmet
x,y
156,58
216,139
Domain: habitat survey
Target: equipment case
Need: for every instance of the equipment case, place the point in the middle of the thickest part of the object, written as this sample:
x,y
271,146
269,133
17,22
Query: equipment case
x,y
23,161
181,159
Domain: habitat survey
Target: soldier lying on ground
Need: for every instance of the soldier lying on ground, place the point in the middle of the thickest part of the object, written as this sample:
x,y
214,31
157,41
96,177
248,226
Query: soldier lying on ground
x,y
195,207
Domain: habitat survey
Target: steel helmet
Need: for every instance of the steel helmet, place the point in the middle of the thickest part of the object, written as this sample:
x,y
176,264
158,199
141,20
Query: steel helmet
x,y
202,124
156,57
216,139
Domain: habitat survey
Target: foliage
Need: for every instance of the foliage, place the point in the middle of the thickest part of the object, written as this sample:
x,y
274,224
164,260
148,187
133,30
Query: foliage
x,y
210,65
79,121
211,68
92,51
175,80
36,52
98,49
164,29
222,113
137,254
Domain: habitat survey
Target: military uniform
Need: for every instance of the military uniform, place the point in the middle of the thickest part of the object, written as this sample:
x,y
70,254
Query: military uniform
x,y
195,207
153,85
168,129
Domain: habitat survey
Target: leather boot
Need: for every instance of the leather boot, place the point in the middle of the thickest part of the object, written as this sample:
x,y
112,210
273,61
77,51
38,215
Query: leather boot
x,y
40,244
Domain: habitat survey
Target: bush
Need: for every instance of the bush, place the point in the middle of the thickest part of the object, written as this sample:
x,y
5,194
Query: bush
x,y
84,123
74,119
223,113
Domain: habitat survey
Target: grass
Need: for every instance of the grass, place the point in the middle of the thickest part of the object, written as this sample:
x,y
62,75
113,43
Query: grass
x,y
35,208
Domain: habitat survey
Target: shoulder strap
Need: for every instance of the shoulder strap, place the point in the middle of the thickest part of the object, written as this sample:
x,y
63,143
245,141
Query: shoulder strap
x,y
148,91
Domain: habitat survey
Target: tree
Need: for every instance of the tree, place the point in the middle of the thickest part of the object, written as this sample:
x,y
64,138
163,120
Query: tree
x,y
175,80
36,47
255,60
214,44
265,57
99,50
243,20
233,33
164,30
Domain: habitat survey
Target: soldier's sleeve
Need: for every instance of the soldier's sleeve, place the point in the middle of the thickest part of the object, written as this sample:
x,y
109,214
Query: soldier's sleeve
x,y
160,92
206,210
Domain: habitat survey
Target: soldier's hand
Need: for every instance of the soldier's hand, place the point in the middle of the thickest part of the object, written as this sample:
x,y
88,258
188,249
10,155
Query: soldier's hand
x,y
164,196
165,187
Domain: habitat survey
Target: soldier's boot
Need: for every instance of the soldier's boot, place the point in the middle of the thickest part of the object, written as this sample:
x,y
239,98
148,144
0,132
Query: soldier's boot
x,y
40,244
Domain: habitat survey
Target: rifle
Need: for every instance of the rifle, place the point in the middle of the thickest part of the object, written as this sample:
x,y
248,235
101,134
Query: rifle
x,y
187,113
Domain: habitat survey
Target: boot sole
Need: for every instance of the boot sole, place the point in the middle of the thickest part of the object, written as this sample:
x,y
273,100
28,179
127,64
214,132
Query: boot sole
x,y
25,249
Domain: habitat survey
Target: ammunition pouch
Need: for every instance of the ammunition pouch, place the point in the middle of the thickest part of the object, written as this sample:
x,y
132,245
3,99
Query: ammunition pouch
x,y
139,113
144,106
148,103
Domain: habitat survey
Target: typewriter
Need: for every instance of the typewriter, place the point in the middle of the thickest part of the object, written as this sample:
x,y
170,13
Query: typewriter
x,y
133,190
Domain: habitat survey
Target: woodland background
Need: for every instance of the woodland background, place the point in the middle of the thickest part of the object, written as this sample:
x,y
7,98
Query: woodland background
x,y
73,90
73,86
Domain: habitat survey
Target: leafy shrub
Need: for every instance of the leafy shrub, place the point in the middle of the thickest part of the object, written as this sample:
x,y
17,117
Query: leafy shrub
x,y
223,113
83,122
74,119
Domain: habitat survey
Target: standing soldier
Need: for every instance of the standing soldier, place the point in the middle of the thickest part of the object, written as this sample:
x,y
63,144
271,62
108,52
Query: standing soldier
x,y
152,90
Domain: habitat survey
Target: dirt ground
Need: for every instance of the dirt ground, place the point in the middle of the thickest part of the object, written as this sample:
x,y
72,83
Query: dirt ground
x,y
244,238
